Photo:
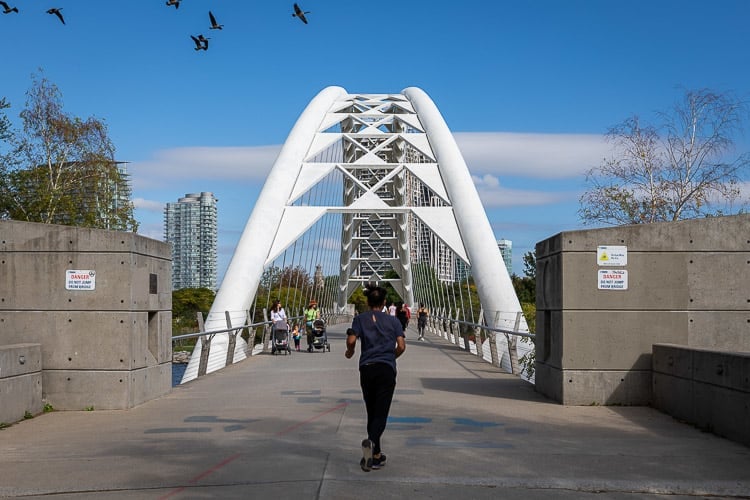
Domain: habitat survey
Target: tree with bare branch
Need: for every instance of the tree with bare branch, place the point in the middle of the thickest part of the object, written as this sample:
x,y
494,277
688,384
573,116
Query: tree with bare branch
x,y
684,168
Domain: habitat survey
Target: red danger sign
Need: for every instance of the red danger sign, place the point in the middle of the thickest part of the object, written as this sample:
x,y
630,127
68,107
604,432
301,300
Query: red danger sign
x,y
612,279
76,279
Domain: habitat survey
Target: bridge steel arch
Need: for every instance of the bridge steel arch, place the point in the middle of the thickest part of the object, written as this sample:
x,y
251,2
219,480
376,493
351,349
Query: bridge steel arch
x,y
401,136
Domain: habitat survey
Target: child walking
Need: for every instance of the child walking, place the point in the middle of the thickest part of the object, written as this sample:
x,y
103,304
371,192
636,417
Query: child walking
x,y
296,336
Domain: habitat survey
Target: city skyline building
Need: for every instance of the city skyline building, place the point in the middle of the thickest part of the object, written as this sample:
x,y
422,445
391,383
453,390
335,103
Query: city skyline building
x,y
506,250
190,226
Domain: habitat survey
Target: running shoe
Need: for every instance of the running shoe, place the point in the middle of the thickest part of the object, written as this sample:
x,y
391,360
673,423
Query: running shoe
x,y
366,462
378,462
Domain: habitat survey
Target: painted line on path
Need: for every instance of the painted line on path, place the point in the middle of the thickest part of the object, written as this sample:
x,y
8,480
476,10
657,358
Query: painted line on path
x,y
234,457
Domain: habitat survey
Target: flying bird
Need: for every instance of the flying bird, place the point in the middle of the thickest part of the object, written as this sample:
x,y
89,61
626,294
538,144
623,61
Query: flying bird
x,y
57,12
214,24
176,3
201,42
7,9
300,14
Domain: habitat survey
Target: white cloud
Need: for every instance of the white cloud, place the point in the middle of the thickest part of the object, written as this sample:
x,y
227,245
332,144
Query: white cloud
x,y
498,153
152,230
531,155
494,195
148,205
229,163
489,155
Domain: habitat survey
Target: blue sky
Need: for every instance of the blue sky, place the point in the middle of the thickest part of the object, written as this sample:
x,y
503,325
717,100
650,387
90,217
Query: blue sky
x,y
528,87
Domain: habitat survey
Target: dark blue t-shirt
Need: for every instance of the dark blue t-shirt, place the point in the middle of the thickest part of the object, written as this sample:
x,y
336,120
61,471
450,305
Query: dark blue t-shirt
x,y
377,332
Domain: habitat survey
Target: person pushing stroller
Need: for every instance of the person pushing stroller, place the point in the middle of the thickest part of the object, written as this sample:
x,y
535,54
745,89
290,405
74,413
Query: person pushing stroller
x,y
311,314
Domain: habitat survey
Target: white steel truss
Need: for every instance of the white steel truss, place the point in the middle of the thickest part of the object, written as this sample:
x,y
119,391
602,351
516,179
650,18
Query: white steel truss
x,y
402,176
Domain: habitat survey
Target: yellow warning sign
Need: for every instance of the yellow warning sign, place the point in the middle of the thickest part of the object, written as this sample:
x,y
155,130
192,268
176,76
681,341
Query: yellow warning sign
x,y
610,255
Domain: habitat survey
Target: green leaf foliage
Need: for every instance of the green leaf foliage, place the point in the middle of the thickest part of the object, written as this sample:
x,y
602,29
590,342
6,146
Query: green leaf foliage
x,y
61,168
186,303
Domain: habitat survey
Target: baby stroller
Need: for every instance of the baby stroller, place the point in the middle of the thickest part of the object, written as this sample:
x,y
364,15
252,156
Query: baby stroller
x,y
280,342
320,338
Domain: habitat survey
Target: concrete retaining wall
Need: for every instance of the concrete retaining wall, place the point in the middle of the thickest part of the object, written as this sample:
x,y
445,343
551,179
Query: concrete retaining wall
x,y
107,347
687,285
20,381
707,388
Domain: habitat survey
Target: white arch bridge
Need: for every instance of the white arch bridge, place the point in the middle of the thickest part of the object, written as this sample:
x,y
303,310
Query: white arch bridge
x,y
367,188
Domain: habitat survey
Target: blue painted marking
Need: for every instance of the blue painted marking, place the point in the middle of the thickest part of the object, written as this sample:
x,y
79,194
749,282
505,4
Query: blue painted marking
x,y
309,400
444,443
474,423
176,430
517,430
313,392
409,420
465,429
232,428
404,427
214,419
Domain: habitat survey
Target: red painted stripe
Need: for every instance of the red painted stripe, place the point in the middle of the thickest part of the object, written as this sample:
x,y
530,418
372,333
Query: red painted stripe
x,y
300,424
234,457
215,468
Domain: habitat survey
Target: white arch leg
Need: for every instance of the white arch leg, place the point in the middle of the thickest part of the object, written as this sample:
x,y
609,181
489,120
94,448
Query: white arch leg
x,y
241,280
495,289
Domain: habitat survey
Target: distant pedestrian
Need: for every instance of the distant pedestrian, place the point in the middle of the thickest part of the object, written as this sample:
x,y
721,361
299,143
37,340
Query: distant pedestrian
x,y
280,328
422,314
381,342
311,314
401,316
296,336
392,309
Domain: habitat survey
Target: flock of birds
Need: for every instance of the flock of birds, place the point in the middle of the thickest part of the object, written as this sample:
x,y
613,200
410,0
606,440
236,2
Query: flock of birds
x,y
7,9
201,42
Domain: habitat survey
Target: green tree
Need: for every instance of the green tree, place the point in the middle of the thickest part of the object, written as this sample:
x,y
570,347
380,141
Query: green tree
x,y
359,300
64,170
5,126
681,168
391,295
525,286
186,302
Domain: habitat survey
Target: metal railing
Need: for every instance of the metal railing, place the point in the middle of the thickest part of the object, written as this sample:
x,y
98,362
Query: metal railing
x,y
232,331
459,332
454,330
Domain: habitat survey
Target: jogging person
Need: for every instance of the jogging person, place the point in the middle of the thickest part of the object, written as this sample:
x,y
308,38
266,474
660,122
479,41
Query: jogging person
x,y
381,342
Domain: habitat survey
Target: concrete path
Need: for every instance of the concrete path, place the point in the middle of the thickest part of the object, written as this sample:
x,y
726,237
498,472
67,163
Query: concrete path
x,y
290,426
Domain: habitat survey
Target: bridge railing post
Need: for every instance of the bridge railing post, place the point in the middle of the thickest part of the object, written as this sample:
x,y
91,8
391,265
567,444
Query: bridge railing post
x,y
513,345
444,325
232,340
266,330
205,341
492,337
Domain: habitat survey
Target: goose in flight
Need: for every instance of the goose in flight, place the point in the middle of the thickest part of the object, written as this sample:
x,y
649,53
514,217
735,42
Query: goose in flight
x,y
300,14
7,9
176,3
214,24
57,12
201,42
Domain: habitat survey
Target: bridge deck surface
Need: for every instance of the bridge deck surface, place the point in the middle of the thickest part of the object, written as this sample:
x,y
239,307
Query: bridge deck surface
x,y
290,427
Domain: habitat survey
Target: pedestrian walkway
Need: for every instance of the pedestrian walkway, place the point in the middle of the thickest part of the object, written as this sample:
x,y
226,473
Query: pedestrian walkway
x,y
290,426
